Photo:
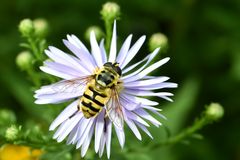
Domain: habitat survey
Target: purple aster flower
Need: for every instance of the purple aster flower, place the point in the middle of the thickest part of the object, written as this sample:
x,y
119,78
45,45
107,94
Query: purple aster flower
x,y
129,106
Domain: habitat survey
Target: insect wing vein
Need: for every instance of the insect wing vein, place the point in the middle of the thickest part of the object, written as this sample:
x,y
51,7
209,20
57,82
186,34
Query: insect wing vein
x,y
71,86
114,109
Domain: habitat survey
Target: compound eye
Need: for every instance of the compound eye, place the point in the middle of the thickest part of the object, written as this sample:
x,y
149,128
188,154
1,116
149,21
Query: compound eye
x,y
118,70
103,71
112,76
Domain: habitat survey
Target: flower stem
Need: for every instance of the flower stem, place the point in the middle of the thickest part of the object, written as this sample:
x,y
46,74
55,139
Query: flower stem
x,y
108,27
212,113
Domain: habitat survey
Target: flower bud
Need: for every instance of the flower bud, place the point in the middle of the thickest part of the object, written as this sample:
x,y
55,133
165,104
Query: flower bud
x,y
24,60
97,30
41,27
110,11
7,117
158,40
214,111
12,133
26,27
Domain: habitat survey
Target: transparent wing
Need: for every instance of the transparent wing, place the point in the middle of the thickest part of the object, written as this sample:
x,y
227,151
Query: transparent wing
x,y
114,109
73,85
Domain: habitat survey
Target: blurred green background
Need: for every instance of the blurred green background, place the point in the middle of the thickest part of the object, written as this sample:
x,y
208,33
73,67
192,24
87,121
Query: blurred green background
x,y
204,46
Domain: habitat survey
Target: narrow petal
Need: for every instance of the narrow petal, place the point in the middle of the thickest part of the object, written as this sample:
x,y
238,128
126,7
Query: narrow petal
x,y
148,70
133,51
65,114
133,127
103,51
138,100
136,118
57,73
99,130
139,92
148,82
113,48
75,72
156,86
108,138
96,52
74,120
121,136
102,145
73,137
124,49
87,142
59,56
86,59
86,132
74,40
144,114
144,129
128,77
58,92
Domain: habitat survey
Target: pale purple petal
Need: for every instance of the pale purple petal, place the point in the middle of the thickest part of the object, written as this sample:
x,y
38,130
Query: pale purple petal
x,y
108,137
102,145
74,40
121,135
62,58
74,72
155,86
113,47
96,52
138,92
66,127
135,118
86,143
57,73
144,129
103,51
133,51
73,137
74,120
124,49
65,114
148,82
58,92
144,114
128,77
85,132
99,130
85,59
147,70
133,127
138,100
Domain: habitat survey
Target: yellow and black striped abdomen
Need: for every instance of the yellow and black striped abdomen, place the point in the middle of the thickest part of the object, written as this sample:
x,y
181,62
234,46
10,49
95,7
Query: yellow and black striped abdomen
x,y
92,101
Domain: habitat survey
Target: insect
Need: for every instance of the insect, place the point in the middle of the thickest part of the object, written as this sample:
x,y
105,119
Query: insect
x,y
101,90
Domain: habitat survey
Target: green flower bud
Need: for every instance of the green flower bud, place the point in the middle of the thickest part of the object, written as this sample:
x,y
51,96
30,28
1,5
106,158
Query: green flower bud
x,y
97,30
12,133
214,111
158,40
26,27
24,60
7,117
41,27
110,11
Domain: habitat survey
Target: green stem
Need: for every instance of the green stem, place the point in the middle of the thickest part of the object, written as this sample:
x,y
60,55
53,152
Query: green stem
x,y
108,27
198,124
34,77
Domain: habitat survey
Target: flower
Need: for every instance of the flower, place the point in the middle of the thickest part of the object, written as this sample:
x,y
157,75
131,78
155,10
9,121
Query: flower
x,y
136,85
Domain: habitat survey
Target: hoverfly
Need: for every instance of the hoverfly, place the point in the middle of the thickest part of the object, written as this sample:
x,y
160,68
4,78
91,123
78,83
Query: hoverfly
x,y
101,89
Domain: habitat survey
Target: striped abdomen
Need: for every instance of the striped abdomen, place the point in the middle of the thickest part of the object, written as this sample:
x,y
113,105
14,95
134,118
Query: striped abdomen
x,y
92,101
